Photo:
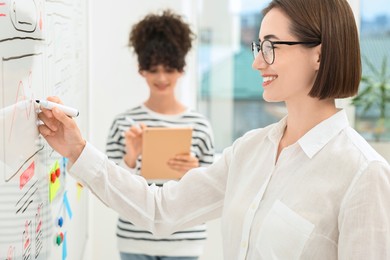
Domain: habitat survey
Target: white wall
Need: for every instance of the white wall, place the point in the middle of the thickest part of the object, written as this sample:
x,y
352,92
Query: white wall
x,y
116,86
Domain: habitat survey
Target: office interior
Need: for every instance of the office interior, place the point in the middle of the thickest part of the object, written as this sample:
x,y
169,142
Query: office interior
x,y
113,70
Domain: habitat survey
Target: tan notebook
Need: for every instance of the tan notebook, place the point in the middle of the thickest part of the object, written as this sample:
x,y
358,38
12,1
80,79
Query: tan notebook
x,y
158,146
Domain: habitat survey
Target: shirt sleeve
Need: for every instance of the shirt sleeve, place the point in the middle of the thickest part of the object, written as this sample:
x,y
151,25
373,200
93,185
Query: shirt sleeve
x,y
364,220
124,165
195,199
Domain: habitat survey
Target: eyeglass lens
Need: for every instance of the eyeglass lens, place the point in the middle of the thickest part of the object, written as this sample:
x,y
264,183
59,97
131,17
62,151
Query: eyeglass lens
x,y
255,49
266,49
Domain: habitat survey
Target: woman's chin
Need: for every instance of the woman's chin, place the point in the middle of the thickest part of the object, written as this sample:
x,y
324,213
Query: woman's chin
x,y
270,98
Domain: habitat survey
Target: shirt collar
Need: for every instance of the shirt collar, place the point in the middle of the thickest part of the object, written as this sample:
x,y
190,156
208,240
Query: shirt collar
x,y
314,140
317,137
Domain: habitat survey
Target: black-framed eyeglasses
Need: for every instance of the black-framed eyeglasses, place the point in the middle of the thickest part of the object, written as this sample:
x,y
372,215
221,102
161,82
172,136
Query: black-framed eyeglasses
x,y
267,49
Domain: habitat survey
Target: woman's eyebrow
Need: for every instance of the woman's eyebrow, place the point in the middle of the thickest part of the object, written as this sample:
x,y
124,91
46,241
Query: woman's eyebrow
x,y
270,36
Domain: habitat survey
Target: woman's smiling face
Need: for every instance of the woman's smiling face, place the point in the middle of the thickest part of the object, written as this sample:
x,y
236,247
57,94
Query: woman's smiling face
x,y
161,80
295,67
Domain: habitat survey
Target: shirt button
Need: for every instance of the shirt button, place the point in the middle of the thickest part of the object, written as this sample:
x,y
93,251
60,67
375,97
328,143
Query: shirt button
x,y
244,244
253,206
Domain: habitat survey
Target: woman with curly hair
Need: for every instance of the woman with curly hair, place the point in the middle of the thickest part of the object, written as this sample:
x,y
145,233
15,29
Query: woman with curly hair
x,y
161,43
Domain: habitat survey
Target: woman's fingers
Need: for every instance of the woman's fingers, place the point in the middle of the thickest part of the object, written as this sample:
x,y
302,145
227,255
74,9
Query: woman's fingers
x,y
54,117
67,121
55,99
44,130
61,132
183,163
49,121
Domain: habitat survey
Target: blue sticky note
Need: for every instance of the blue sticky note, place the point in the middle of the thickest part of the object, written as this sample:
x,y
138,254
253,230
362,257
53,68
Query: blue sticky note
x,y
67,205
64,248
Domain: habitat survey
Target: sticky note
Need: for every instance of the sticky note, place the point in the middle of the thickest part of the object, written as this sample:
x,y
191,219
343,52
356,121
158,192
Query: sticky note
x,y
53,189
54,183
67,205
64,248
79,190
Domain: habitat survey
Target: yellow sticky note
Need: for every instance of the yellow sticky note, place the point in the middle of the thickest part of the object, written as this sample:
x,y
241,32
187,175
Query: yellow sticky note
x,y
79,190
53,189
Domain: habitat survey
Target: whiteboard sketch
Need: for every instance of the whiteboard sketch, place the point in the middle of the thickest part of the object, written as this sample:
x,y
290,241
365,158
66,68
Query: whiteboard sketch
x,y
21,71
42,53
22,83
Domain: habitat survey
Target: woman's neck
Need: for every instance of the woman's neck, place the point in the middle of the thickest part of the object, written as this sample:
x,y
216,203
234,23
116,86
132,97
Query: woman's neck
x,y
301,119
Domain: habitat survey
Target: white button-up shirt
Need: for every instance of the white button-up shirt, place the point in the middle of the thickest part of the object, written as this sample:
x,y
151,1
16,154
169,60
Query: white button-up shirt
x,y
327,197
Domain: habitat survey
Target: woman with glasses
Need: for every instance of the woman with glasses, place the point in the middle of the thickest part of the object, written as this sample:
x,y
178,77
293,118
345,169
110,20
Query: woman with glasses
x,y
306,187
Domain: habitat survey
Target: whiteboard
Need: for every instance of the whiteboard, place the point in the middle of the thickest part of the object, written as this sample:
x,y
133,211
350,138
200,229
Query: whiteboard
x,y
43,212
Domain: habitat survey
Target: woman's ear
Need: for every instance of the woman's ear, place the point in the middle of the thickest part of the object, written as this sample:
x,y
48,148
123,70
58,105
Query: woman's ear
x,y
317,56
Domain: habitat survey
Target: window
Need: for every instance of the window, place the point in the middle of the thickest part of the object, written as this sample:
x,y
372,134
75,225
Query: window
x,y
230,90
375,51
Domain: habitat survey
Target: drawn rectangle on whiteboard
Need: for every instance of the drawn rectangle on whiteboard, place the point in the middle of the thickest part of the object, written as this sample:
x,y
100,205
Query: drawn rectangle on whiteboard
x,y
20,86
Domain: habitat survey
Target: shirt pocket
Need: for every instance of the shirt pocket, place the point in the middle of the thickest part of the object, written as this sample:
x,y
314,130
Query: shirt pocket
x,y
283,233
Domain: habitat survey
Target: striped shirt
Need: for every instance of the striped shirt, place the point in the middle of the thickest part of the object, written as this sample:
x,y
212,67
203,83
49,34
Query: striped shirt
x,y
132,239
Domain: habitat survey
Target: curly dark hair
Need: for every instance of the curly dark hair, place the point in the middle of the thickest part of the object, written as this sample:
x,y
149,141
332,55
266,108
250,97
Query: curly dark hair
x,y
161,40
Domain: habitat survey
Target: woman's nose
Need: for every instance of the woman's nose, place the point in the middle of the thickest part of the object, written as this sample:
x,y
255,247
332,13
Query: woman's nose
x,y
259,62
162,76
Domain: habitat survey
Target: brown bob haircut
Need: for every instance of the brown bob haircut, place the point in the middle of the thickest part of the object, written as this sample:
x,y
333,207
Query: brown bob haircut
x,y
332,23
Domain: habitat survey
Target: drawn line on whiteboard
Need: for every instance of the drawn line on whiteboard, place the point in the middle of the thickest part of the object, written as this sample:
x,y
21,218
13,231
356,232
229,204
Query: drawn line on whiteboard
x,y
26,207
13,175
59,2
2,4
25,23
61,16
21,56
24,195
22,38
20,91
